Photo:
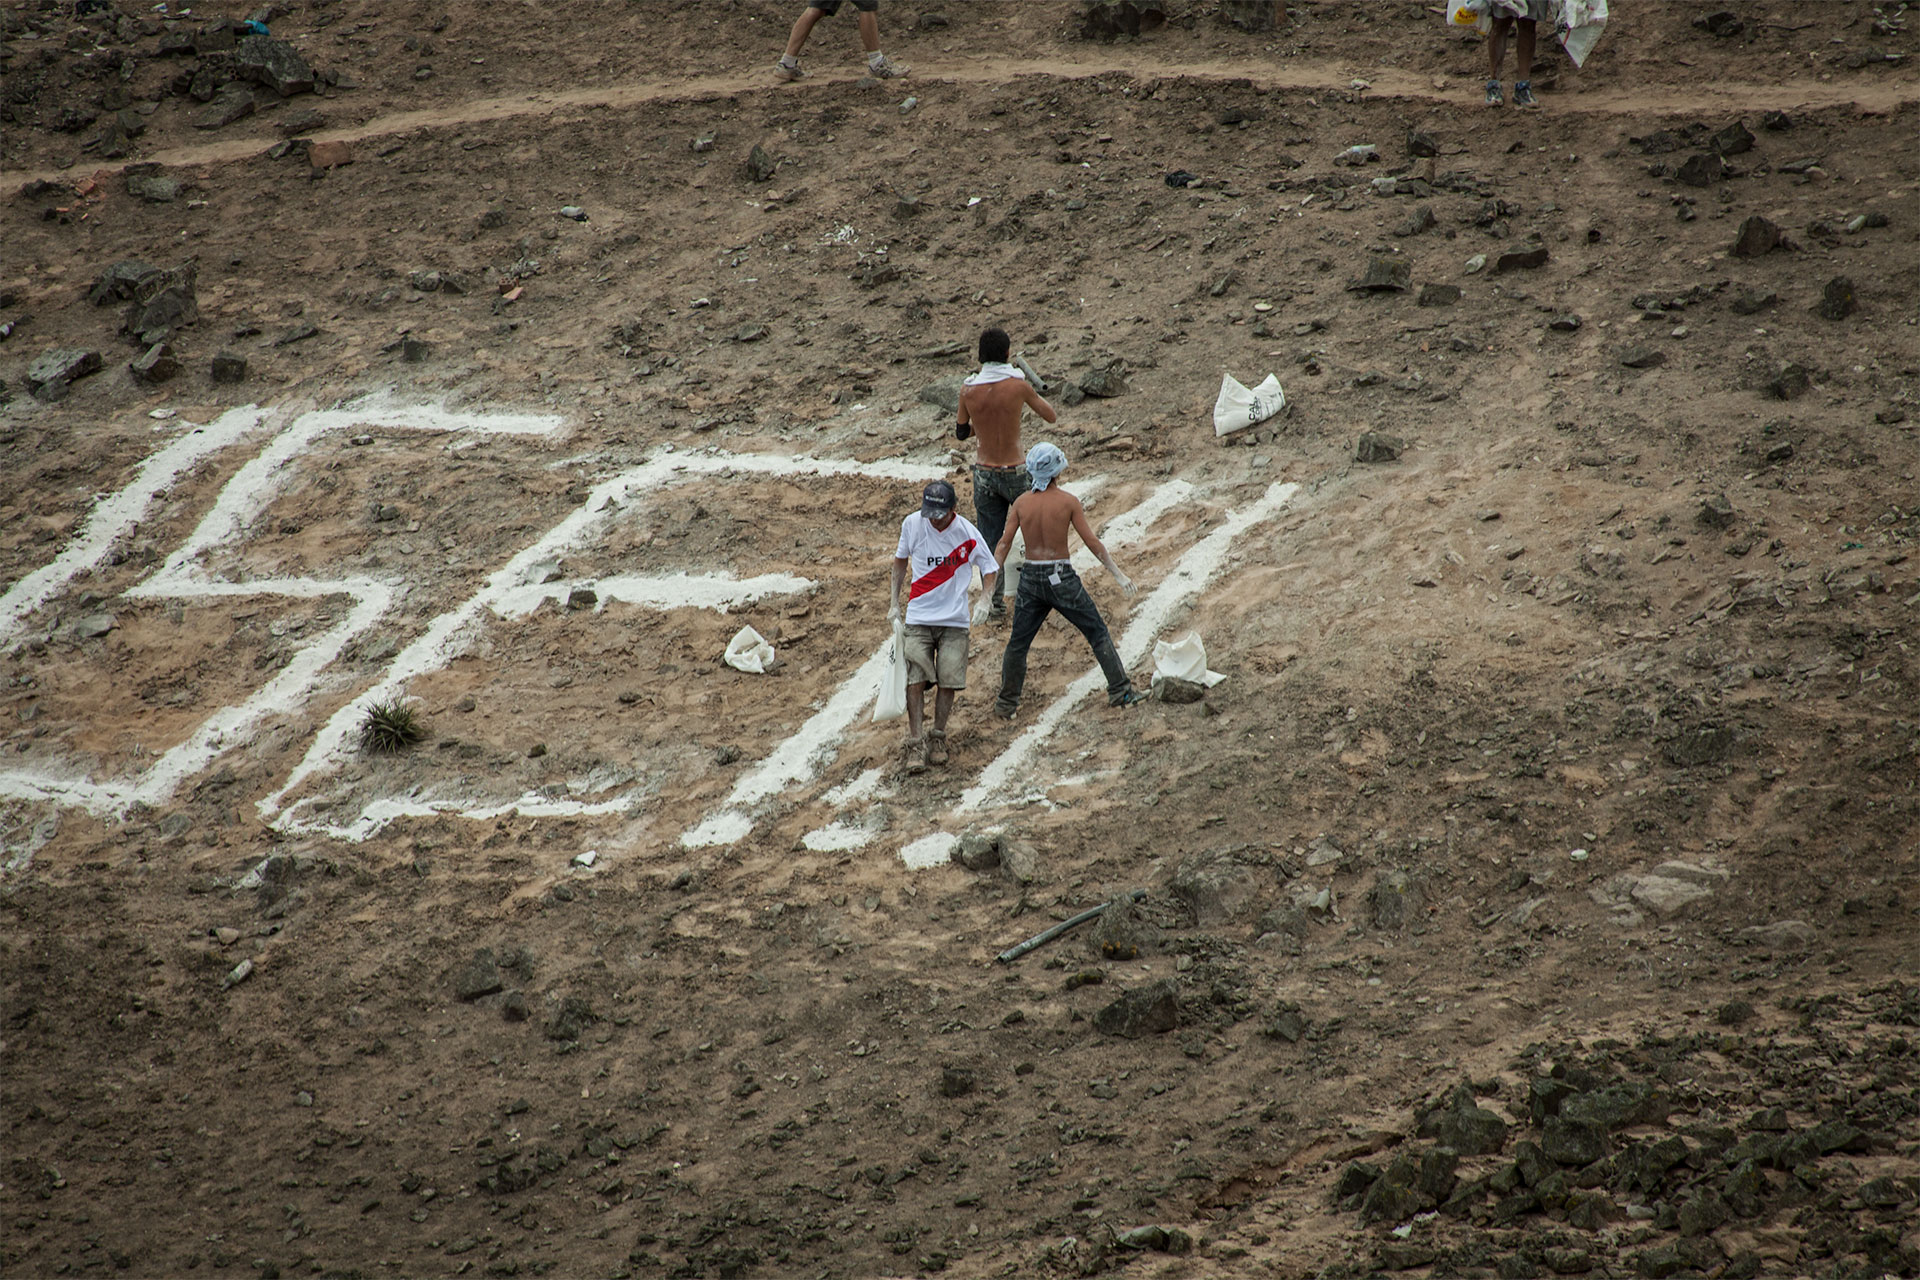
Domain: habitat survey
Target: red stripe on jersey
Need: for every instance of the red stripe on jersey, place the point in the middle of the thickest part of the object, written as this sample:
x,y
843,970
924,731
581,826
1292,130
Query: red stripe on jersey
x,y
941,573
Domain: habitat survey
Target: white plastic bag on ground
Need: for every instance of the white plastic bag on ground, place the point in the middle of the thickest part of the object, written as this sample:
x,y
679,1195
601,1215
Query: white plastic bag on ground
x,y
891,703
749,651
1238,408
1183,659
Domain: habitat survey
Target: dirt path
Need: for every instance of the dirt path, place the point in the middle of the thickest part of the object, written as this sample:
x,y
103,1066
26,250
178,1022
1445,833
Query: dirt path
x,y
1310,76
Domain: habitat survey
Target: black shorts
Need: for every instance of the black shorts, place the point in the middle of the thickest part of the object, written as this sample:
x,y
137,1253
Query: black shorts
x,y
831,7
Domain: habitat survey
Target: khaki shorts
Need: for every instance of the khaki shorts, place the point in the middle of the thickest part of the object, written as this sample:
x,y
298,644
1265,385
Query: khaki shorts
x,y
937,656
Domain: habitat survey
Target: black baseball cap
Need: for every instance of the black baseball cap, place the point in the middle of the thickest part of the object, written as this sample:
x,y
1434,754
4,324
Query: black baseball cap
x,y
938,500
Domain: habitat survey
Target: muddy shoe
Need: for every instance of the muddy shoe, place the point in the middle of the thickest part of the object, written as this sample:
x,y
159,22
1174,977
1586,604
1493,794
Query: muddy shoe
x,y
1493,94
1523,95
881,68
1005,710
936,746
913,756
1131,698
782,71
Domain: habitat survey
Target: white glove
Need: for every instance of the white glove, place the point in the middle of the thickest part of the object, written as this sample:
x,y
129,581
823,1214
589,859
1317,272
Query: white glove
x,y
982,609
893,611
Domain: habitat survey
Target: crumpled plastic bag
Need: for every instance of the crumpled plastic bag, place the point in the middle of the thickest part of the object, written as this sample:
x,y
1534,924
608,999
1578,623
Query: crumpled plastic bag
x,y
891,702
1581,22
1469,13
749,651
1183,659
1237,407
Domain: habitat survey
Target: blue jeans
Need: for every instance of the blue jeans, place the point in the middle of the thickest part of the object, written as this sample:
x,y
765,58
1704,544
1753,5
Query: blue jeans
x,y
993,496
1038,597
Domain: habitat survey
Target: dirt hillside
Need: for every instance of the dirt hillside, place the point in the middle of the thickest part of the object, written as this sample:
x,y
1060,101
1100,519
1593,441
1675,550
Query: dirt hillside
x,y
1536,894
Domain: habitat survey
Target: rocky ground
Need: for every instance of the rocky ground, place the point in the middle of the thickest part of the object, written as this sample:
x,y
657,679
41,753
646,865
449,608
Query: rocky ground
x,y
1535,896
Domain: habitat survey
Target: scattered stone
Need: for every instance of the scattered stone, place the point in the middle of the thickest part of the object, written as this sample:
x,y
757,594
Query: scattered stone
x,y
1143,1011
1110,19
582,598
1020,859
1779,453
977,851
1180,692
49,376
298,333
235,102
156,364
492,218
1715,512
956,1082
1216,886
1421,146
1733,140
92,626
761,165
1701,170
1643,357
1805,164
120,281
1789,382
414,350
480,977
295,123
1104,384
1837,300
1749,303
322,156
1374,446
228,367
751,333
1252,15
573,212
1433,294
1564,324
1288,1023
273,63
1720,23
1521,259
153,189
1384,274
1421,219
1785,936
1396,901
163,301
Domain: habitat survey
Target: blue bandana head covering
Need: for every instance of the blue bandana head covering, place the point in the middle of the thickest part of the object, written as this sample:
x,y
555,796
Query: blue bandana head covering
x,y
1044,462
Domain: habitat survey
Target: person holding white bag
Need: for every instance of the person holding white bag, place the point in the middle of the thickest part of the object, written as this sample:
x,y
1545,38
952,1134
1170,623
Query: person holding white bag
x,y
934,561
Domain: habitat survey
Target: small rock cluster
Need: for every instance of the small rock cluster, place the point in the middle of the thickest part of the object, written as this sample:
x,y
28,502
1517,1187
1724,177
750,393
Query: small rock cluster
x,y
1620,1159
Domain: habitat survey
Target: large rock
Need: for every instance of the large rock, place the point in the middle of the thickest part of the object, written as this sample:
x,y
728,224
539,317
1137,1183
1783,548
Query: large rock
x,y
1143,1011
944,394
1215,885
1522,259
153,188
49,376
120,281
273,63
163,301
479,977
1573,1142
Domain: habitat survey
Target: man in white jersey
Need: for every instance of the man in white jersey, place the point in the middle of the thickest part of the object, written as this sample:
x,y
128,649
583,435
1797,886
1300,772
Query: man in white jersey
x,y
932,568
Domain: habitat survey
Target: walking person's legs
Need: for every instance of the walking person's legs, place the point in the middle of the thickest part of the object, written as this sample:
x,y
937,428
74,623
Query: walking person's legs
x,y
1029,611
1077,607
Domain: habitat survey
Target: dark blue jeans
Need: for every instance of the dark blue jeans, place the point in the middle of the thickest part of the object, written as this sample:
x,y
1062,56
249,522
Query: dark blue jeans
x,y
993,495
1039,597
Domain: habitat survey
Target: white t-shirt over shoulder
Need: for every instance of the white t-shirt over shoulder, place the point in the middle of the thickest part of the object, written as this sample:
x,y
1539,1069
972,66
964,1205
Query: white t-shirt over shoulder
x,y
941,564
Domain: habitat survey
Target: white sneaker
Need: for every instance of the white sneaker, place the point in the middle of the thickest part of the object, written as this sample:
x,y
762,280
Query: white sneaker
x,y
885,69
782,71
